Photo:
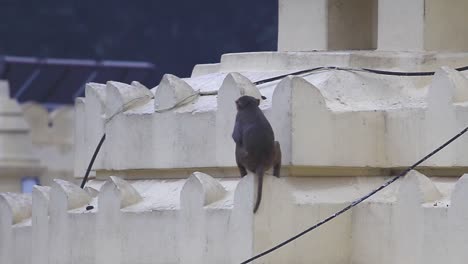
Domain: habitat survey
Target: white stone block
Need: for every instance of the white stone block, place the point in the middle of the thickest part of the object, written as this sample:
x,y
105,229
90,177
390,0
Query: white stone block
x,y
62,120
114,195
40,225
251,233
422,25
435,245
409,222
15,233
326,25
138,85
65,196
38,119
154,220
120,97
199,191
457,222
241,228
202,69
6,231
129,127
440,118
372,233
80,143
309,136
171,91
91,191
93,127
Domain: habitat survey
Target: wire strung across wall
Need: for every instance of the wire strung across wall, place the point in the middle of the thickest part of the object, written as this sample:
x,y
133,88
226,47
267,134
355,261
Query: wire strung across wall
x,y
316,69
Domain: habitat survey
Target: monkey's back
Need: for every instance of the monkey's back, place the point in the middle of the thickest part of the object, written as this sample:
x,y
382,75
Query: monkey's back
x,y
258,141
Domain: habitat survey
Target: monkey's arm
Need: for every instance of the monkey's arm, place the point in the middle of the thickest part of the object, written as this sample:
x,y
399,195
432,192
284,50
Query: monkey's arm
x,y
237,133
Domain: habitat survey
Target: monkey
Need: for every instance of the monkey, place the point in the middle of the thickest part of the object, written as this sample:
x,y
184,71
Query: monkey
x,y
256,148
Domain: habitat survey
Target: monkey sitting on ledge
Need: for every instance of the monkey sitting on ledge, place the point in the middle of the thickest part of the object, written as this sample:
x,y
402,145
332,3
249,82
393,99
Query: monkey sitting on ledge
x,y
256,148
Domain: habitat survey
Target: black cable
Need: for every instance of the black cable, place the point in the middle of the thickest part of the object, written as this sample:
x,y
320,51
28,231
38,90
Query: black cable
x,y
96,151
285,75
381,72
462,68
358,201
397,73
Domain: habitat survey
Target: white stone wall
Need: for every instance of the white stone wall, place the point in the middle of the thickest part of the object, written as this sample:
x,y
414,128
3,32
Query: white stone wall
x,y
206,220
52,140
396,25
329,118
17,159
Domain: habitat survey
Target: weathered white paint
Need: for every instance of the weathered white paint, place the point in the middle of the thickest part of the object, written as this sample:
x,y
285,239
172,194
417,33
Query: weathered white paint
x,y
17,158
422,25
398,25
343,120
207,220
52,140
329,118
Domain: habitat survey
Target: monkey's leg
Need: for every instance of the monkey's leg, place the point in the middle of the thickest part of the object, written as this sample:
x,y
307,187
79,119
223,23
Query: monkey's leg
x,y
259,172
242,170
240,159
277,160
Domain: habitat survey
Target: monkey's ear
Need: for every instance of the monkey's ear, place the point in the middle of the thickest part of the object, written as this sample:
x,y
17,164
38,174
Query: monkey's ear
x,y
258,101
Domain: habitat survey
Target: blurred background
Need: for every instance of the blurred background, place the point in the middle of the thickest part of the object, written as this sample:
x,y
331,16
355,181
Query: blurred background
x,y
143,39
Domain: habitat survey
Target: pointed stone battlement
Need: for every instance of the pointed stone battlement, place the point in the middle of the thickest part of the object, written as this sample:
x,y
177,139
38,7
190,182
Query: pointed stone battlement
x,y
330,121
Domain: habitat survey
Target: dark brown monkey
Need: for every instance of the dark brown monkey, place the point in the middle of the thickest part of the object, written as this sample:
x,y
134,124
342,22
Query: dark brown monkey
x,y
256,148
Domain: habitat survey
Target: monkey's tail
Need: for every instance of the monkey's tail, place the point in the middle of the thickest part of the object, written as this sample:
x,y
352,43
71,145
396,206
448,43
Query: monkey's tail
x,y
259,192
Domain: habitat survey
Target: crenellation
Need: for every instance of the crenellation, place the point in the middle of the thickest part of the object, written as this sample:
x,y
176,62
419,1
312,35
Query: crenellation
x,y
355,110
214,220
15,228
165,187
64,198
457,219
440,117
121,97
40,224
171,91
415,190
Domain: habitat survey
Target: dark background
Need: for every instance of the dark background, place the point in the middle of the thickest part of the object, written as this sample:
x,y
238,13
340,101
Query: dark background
x,y
173,35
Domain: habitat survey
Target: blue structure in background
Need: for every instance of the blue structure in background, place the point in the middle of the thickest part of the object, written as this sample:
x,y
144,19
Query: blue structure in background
x,y
27,184
58,81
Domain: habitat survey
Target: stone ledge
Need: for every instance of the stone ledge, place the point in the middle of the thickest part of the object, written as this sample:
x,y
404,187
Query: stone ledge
x,y
209,220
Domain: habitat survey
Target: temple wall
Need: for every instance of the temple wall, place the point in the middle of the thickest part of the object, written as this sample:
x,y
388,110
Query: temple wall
x,y
206,220
52,140
328,119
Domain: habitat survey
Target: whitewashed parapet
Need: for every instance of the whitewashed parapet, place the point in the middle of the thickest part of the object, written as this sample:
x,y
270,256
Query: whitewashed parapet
x,y
55,128
326,119
415,222
66,208
208,220
201,190
17,157
40,224
185,139
15,228
412,221
52,139
421,25
38,119
90,116
114,195
457,219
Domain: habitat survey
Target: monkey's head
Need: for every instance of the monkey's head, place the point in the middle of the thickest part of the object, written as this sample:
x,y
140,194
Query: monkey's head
x,y
247,102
